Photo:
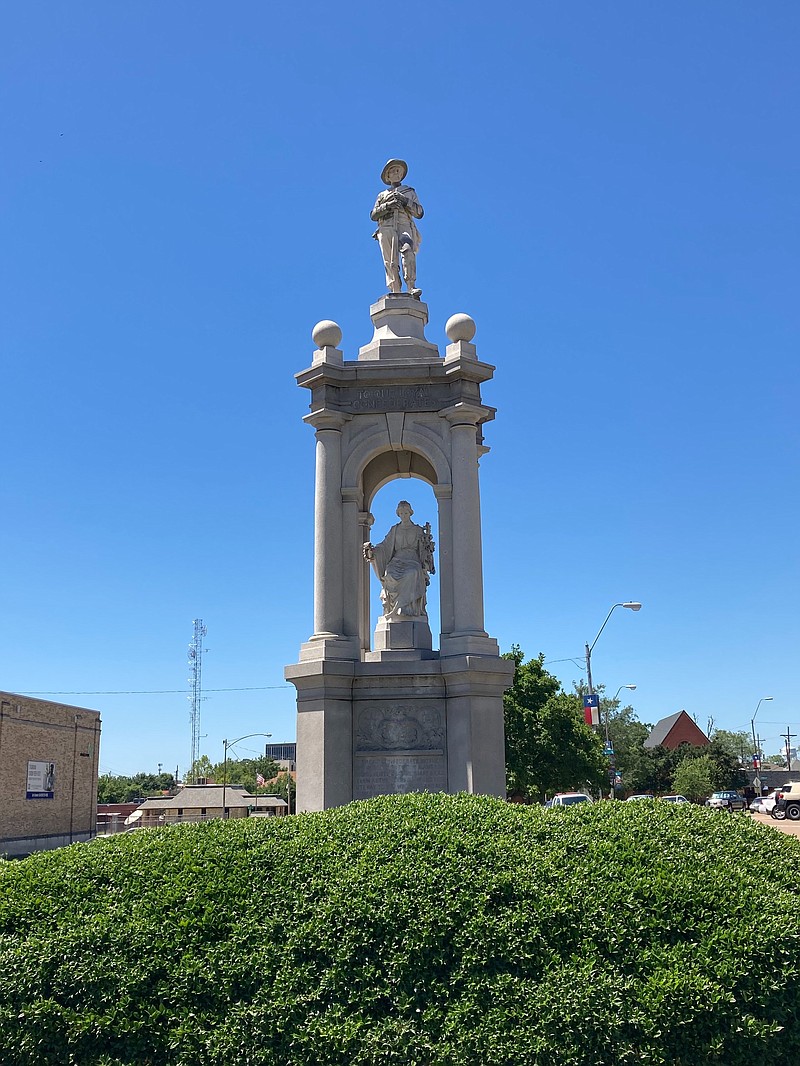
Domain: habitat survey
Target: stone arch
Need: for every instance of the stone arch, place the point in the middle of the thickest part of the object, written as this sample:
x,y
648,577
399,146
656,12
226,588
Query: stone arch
x,y
374,461
390,451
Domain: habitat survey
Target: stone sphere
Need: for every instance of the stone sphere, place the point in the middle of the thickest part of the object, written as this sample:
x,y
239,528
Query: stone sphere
x,y
326,334
460,328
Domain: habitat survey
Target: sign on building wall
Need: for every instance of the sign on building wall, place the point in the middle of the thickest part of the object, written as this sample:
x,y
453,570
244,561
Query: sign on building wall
x,y
41,780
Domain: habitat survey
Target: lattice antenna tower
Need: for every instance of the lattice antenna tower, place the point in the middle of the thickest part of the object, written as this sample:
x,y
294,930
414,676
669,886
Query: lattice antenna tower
x,y
195,687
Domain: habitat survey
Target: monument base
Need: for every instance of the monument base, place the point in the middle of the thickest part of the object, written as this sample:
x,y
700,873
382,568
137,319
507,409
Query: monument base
x,y
378,728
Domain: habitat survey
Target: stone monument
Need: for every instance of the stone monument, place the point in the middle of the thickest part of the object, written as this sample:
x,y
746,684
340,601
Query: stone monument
x,y
388,713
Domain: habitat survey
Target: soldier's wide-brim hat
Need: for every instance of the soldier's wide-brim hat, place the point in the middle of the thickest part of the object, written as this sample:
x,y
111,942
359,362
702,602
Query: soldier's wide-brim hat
x,y
393,163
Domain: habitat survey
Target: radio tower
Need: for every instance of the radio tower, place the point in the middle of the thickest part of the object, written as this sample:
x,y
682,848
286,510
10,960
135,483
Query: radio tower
x,y
195,668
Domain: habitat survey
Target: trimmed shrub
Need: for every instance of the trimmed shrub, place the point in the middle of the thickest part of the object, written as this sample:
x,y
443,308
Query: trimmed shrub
x,y
410,929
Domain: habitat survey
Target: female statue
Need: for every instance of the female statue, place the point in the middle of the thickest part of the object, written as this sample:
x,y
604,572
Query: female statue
x,y
403,563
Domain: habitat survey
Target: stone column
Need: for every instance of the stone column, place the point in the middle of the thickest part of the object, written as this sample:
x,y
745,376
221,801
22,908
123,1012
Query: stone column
x,y
328,585
444,563
351,562
365,523
467,566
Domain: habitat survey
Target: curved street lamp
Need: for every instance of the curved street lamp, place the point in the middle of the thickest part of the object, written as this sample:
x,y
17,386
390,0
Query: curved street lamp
x,y
632,606
229,744
621,687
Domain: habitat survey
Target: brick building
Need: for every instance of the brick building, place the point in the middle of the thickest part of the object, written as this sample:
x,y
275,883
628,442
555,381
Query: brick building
x,y
48,774
677,729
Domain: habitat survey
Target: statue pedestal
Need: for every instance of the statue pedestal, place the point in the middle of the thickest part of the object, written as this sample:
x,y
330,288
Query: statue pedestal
x,y
399,321
401,638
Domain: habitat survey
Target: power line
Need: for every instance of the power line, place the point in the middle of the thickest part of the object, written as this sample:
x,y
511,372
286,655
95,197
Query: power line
x,y
148,691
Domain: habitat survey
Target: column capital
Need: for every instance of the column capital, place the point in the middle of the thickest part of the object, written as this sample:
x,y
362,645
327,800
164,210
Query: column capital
x,y
327,419
466,414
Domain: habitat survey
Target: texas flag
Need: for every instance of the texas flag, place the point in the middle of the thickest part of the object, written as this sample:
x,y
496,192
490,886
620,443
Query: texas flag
x,y
591,709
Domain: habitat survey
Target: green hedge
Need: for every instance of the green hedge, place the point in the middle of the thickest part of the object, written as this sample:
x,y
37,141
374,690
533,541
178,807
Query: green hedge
x,y
413,929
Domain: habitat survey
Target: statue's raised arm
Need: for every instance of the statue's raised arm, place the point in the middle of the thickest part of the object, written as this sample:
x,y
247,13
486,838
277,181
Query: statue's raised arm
x,y
395,211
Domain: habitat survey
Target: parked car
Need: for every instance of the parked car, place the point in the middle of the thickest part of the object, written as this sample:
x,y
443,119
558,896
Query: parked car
x,y
727,801
566,799
763,804
641,796
787,802
674,799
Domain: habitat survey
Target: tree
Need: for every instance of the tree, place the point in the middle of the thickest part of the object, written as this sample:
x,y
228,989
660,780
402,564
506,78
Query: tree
x,y
115,788
549,747
662,765
726,771
245,772
694,777
739,744
658,766
284,786
627,735
201,768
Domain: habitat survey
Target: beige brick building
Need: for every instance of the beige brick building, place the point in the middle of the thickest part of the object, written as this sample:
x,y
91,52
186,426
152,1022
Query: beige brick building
x,y
48,774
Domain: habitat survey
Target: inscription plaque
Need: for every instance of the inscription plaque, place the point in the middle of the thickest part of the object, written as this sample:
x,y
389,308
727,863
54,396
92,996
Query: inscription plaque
x,y
387,774
394,398
399,748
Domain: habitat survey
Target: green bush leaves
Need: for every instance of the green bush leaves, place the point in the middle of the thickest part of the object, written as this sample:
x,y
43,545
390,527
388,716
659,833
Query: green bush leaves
x,y
410,929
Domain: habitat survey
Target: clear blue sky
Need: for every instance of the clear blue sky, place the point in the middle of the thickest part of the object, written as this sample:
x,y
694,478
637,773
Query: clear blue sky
x,y
610,191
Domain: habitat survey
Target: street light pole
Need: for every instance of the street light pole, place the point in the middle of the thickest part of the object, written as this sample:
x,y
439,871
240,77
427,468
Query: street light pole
x,y
609,750
229,744
621,687
632,606
764,699
590,647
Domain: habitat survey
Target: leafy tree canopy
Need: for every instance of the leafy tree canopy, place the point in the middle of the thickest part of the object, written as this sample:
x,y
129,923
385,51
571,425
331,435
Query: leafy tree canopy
x,y
549,747
662,764
694,777
114,788
247,772
284,786
739,744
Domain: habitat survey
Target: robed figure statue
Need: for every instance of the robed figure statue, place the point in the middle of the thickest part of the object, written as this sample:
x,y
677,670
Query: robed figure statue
x,y
403,563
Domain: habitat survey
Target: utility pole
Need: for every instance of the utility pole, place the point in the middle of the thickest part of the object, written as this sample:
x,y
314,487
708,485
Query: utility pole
x,y
757,764
787,736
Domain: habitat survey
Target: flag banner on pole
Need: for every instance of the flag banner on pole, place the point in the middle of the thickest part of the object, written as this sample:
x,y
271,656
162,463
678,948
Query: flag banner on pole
x,y
591,709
